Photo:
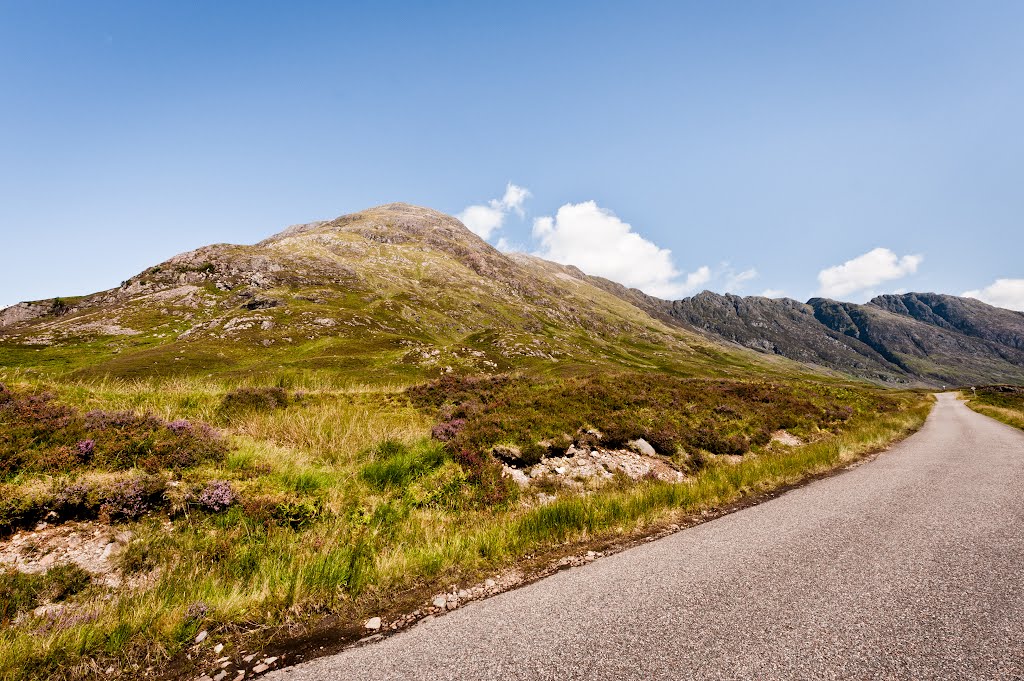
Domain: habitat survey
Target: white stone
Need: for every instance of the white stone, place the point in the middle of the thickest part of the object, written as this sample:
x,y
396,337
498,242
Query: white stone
x,y
489,583
201,636
440,601
641,446
373,624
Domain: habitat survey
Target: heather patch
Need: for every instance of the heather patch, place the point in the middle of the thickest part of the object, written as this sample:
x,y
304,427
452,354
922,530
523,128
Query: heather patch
x,y
676,416
40,435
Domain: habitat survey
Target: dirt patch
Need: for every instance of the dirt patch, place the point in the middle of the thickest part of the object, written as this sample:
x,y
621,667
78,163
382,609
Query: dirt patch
x,y
92,546
787,439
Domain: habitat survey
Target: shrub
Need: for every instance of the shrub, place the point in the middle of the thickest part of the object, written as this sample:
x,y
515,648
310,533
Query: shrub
x,y
446,431
246,400
18,591
217,496
483,472
63,581
717,415
124,500
296,513
39,435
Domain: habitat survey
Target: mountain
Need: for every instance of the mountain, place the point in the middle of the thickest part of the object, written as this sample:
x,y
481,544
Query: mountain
x,y
398,293
925,338
390,294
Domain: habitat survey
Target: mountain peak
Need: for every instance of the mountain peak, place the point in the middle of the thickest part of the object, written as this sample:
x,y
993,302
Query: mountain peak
x,y
389,223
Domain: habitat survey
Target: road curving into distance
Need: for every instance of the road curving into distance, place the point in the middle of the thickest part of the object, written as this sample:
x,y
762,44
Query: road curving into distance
x,y
910,566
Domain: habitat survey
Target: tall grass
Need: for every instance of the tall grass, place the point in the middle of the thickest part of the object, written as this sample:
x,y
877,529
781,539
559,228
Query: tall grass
x,y
337,522
1008,415
1003,403
335,428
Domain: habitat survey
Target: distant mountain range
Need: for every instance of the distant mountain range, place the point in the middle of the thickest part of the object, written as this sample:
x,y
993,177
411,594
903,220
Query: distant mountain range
x,y
397,292
919,337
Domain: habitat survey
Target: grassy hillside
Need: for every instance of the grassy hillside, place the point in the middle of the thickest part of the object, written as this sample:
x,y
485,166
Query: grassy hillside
x,y
1002,402
318,501
258,442
395,294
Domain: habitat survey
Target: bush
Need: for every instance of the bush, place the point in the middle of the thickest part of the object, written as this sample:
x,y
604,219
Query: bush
x,y
247,400
125,500
217,496
39,435
483,472
296,513
64,581
18,591
719,416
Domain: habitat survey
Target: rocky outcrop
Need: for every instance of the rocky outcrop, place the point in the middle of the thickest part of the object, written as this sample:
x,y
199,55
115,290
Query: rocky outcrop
x,y
785,327
21,312
922,338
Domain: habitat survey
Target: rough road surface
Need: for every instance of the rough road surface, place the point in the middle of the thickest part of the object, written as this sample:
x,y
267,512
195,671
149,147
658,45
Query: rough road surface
x,y
908,567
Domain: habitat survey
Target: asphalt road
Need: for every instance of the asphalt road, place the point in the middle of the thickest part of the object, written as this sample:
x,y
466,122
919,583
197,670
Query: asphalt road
x,y
910,566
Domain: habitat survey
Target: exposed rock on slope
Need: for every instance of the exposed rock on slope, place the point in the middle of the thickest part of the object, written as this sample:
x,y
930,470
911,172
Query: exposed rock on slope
x,y
915,337
390,293
398,292
785,327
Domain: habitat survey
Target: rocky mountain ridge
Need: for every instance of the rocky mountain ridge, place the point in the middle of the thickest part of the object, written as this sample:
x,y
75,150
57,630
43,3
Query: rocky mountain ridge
x,y
399,291
913,337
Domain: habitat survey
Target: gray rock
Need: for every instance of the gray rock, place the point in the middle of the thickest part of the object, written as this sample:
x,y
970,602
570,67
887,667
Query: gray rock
x,y
509,453
641,446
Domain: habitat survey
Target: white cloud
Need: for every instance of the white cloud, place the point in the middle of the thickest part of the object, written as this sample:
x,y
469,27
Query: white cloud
x,y
1008,293
735,281
598,242
872,268
773,293
506,246
695,279
485,219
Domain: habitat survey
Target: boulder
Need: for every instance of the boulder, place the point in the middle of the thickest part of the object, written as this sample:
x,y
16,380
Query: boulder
x,y
641,446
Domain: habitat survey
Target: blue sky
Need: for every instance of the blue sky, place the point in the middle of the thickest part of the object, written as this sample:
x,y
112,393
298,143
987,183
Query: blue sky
x,y
766,142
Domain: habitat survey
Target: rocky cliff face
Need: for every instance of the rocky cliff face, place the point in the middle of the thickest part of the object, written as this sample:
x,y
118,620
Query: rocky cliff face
x,y
912,338
963,315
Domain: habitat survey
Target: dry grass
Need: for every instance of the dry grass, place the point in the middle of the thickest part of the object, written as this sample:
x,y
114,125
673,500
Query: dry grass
x,y
335,428
1009,416
335,521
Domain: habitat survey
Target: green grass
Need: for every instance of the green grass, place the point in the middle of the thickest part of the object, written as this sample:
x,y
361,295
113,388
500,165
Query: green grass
x,y
345,502
1003,403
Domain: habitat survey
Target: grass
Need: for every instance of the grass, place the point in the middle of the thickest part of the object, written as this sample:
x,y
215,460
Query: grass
x,y
344,501
1002,402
